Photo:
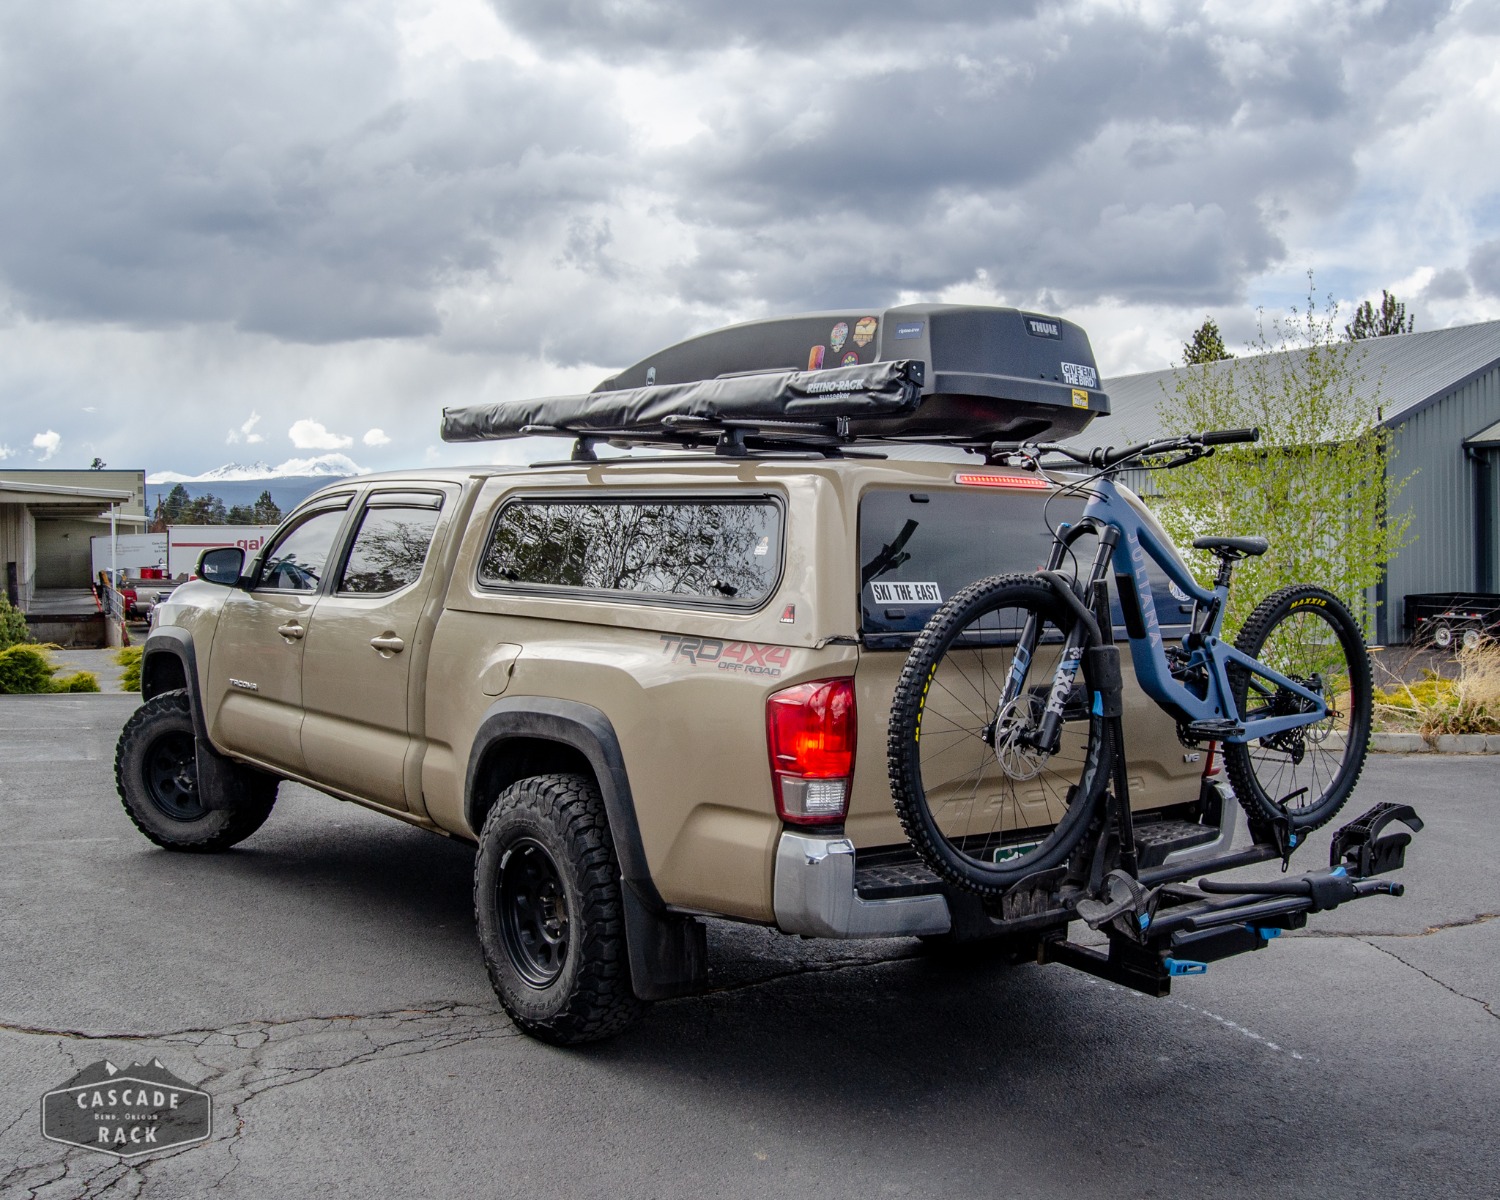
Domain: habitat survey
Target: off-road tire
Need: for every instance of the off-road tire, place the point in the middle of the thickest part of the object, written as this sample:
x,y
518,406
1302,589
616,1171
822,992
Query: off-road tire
x,y
1252,766
555,827
904,757
163,802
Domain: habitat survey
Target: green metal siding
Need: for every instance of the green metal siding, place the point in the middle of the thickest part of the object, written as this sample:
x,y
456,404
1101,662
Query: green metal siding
x,y
1441,496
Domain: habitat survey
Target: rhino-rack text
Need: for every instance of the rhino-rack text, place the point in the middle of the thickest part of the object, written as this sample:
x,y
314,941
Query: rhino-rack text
x,y
749,657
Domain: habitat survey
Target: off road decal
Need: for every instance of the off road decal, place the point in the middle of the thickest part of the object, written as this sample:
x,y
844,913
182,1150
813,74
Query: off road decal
x,y
1309,602
750,658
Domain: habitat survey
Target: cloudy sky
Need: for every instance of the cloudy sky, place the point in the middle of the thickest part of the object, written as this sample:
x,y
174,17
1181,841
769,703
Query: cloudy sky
x,y
272,229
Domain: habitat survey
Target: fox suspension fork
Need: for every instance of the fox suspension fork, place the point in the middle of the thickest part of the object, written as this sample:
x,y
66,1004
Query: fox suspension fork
x,y
1090,621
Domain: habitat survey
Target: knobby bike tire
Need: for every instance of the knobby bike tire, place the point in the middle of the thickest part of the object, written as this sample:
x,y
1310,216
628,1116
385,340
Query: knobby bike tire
x,y
1306,633
973,821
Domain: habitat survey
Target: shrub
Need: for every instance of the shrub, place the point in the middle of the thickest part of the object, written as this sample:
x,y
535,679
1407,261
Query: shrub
x,y
1435,705
130,659
13,629
25,669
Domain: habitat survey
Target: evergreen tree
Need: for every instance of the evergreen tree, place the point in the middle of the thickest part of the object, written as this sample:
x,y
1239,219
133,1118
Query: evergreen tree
x,y
1207,345
170,509
1368,323
266,511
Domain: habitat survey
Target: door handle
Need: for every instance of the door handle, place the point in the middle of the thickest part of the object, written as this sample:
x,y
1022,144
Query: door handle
x,y
388,643
291,630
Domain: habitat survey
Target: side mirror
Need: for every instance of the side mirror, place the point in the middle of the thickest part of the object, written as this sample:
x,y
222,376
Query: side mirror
x,y
222,565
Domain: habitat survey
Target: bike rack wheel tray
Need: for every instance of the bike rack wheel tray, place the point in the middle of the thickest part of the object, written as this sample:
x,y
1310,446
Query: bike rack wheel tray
x,y
1178,929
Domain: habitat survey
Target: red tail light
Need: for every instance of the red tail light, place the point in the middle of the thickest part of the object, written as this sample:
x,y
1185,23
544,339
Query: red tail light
x,y
810,734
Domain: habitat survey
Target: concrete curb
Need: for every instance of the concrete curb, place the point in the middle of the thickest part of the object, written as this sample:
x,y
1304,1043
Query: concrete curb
x,y
1448,743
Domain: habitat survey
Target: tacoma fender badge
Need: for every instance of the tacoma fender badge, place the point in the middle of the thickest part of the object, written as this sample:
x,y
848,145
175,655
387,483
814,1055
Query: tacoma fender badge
x,y
243,684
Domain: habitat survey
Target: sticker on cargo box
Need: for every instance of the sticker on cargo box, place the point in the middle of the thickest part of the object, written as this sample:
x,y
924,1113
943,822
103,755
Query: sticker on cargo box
x,y
851,359
864,331
906,593
1080,399
1079,375
912,329
839,336
815,358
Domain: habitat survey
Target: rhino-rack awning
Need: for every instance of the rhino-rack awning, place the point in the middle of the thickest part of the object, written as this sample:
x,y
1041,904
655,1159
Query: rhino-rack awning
x,y
783,405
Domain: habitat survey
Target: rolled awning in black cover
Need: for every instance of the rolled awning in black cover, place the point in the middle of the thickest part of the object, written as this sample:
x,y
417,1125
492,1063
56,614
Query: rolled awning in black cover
x,y
871,390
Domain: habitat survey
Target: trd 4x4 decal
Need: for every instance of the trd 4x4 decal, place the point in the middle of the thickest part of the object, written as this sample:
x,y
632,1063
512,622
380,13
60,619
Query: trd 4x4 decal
x,y
749,657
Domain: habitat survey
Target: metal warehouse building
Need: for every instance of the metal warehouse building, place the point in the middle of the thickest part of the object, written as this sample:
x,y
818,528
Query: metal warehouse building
x,y
1439,393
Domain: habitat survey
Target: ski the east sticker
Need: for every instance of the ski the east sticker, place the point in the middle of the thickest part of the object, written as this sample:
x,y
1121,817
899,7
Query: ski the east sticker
x,y
906,593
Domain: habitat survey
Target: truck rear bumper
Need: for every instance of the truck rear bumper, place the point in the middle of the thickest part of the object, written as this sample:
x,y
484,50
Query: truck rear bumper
x,y
814,895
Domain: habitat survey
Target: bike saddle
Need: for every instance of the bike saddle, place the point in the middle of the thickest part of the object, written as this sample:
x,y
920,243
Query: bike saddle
x,y
1233,547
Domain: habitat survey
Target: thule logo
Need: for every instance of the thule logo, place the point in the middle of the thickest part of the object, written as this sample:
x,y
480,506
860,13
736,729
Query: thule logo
x,y
243,684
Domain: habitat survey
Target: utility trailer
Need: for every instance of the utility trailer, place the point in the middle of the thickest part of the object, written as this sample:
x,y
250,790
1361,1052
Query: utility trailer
x,y
1448,620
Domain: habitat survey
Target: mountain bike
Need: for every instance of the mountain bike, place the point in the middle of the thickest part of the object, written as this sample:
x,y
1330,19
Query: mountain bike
x,y
1006,745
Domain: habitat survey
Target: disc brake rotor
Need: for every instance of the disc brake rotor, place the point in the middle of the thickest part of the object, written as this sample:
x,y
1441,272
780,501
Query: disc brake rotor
x,y
1016,758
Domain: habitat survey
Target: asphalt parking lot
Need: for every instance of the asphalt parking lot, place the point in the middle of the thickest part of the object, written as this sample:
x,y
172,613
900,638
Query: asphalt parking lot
x,y
322,984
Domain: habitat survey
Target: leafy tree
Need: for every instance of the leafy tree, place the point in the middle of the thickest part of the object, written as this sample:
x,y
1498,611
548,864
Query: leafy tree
x,y
1207,345
98,464
1368,323
1318,485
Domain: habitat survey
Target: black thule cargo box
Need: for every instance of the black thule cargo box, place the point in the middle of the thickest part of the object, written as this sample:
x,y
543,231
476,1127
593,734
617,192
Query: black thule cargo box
x,y
921,372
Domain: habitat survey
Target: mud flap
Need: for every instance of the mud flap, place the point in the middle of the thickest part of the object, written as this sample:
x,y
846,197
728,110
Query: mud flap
x,y
221,780
668,952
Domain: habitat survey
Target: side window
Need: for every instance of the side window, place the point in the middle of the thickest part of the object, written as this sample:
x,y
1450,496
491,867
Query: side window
x,y
728,552
296,561
389,548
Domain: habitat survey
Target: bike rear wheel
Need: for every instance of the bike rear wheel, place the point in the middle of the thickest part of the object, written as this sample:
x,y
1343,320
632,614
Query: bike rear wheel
x,y
982,809
1305,633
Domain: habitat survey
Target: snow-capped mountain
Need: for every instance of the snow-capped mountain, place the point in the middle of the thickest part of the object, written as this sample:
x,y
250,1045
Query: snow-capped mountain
x,y
334,466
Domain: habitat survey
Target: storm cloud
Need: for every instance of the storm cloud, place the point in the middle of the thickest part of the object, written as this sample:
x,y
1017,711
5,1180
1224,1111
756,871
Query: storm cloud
x,y
501,195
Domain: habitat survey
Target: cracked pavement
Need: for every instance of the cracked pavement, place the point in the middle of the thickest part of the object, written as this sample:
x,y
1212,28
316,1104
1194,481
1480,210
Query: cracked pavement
x,y
321,982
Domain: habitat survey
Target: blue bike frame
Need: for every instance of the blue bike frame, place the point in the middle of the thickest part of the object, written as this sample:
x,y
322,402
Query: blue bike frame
x,y
1133,544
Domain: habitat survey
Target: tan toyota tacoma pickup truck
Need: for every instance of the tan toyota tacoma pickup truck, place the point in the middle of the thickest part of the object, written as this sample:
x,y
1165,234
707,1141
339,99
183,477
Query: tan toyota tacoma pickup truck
x,y
649,690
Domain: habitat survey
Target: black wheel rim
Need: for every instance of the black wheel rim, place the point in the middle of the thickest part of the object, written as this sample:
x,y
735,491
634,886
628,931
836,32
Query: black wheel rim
x,y
1306,764
171,777
999,812
534,920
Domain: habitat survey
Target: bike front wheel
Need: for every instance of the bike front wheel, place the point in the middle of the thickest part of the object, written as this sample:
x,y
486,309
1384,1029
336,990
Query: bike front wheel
x,y
982,806
1306,634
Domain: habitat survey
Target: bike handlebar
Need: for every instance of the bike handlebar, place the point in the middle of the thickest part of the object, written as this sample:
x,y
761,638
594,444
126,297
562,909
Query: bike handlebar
x,y
1194,444
1225,437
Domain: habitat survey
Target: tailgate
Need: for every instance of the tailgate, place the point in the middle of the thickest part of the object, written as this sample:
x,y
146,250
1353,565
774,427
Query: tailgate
x,y
916,549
